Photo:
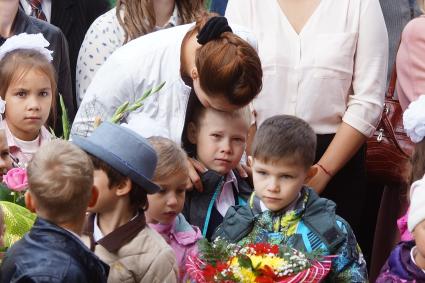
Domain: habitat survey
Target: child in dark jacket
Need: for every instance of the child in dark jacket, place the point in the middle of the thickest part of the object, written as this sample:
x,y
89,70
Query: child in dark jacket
x,y
285,211
217,140
60,178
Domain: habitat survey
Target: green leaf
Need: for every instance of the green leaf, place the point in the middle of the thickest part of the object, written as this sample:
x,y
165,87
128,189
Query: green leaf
x,y
65,119
126,107
245,261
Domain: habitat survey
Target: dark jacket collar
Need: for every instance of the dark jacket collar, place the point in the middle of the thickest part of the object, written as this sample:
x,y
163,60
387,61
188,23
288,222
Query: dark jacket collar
x,y
57,239
117,238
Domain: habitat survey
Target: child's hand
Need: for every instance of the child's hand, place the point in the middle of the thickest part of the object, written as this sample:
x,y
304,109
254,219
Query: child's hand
x,y
194,167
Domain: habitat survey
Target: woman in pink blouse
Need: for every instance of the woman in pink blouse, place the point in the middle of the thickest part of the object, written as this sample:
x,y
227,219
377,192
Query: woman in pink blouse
x,y
411,62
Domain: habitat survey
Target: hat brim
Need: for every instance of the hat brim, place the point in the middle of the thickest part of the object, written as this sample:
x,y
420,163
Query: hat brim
x,y
117,163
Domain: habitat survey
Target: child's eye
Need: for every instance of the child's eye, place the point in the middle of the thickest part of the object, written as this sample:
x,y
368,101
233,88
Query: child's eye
x,y
262,173
21,94
44,93
239,140
287,177
215,135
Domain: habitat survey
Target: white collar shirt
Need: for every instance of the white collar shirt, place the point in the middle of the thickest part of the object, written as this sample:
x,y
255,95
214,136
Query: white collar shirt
x,y
226,198
136,67
46,6
333,71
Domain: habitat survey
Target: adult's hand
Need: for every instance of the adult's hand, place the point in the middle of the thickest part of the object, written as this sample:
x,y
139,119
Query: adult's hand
x,y
195,167
320,180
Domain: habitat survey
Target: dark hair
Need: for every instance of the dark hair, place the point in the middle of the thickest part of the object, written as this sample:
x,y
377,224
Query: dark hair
x,y
227,66
417,162
138,196
285,136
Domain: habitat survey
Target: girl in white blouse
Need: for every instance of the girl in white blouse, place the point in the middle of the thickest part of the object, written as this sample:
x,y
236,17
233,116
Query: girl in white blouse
x,y
324,61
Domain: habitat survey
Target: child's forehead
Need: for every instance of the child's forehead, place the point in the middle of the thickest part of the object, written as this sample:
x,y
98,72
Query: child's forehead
x,y
287,162
215,118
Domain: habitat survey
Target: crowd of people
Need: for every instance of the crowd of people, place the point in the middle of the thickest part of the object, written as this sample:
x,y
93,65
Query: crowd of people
x,y
184,125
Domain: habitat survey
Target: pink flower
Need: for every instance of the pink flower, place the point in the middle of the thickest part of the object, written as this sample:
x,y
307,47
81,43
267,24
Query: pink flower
x,y
16,179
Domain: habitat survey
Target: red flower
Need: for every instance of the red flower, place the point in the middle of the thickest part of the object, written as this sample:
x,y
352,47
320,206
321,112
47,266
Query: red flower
x,y
264,248
209,272
221,266
267,271
264,279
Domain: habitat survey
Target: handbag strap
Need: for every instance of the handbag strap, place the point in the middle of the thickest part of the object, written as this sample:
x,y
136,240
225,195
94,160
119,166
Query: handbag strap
x,y
391,86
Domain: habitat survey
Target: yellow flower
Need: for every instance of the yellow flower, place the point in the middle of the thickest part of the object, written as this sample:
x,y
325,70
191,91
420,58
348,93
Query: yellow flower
x,y
261,261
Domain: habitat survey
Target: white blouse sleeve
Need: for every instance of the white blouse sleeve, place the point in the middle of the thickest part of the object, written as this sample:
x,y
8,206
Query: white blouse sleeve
x,y
370,68
112,86
101,40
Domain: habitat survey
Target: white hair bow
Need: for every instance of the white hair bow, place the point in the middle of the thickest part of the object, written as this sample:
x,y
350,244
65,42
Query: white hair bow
x,y
35,42
414,119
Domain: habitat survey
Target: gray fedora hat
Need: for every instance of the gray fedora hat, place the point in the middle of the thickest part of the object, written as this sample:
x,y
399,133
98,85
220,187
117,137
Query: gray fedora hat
x,y
125,151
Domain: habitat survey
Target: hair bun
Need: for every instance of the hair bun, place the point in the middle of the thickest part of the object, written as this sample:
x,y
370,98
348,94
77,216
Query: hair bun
x,y
212,29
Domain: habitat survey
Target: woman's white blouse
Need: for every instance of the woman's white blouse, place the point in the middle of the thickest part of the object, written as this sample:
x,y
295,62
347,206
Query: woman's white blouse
x,y
334,70
139,65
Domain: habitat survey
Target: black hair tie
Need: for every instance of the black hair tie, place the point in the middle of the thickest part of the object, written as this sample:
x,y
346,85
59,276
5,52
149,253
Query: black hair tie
x,y
212,29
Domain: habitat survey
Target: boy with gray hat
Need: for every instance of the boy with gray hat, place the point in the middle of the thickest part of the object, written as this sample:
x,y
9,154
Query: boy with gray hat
x,y
116,229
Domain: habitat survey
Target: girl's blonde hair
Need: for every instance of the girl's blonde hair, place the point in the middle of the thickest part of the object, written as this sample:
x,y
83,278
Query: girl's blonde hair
x,y
18,63
137,17
172,159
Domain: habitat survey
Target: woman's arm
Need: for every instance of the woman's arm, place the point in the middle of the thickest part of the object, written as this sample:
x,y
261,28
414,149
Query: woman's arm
x,y
345,144
364,105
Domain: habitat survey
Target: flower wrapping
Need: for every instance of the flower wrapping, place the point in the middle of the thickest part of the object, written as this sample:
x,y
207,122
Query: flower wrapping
x,y
260,262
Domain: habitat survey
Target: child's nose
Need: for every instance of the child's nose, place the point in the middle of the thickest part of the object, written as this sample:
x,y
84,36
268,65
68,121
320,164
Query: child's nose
x,y
274,185
226,146
172,200
33,103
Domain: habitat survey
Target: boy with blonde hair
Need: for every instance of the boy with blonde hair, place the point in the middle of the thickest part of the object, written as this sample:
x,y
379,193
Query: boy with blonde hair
x,y
216,140
60,179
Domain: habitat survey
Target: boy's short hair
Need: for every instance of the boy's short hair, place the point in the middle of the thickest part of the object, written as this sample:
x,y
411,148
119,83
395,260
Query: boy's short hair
x,y
60,178
138,196
285,136
198,113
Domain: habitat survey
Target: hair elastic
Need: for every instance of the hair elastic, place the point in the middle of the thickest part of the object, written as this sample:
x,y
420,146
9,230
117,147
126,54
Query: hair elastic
x,y
213,29
324,170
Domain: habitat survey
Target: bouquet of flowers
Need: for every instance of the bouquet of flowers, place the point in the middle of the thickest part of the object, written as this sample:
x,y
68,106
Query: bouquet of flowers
x,y
260,262
17,218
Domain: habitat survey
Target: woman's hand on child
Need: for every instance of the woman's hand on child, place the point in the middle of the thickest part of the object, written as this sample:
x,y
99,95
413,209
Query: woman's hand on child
x,y
320,180
196,167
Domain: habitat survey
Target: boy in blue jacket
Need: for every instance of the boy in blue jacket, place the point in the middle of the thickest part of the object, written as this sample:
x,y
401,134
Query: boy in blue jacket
x,y
282,210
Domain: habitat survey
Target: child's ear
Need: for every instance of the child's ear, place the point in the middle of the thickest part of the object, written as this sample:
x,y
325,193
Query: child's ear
x,y
192,133
124,189
93,198
194,73
312,171
30,202
250,161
